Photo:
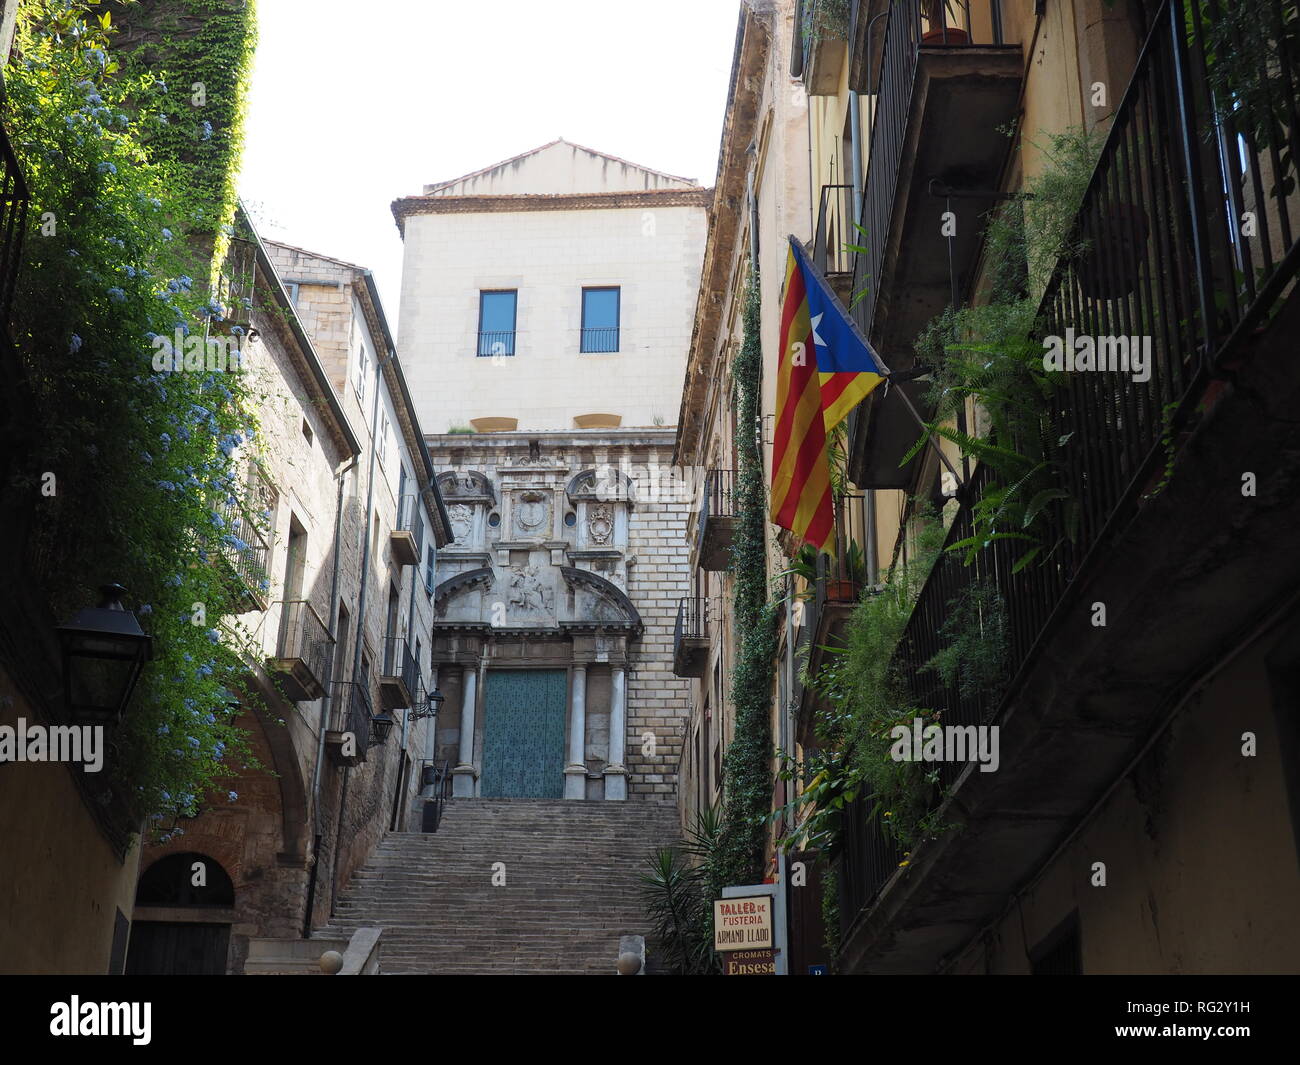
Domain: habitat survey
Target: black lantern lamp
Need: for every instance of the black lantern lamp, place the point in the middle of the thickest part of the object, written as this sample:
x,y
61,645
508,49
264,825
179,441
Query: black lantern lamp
x,y
104,650
436,699
380,726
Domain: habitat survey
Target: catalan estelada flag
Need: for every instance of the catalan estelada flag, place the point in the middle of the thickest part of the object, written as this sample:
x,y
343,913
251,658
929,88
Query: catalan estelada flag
x,y
825,369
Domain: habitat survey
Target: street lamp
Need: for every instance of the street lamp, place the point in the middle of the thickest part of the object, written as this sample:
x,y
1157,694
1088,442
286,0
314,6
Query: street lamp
x,y
104,650
380,726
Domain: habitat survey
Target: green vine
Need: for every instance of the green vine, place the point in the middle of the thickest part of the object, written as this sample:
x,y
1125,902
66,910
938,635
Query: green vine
x,y
741,844
133,470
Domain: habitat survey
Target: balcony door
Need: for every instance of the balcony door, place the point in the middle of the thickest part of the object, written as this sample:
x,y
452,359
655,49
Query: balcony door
x,y
523,733
295,562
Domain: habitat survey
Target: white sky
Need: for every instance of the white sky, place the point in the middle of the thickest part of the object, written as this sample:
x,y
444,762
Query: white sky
x,y
353,105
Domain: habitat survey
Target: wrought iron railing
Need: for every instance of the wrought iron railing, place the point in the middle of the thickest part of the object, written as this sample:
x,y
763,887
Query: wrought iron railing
x,y
303,635
692,619
499,342
400,663
351,710
835,231
972,22
13,223
598,339
1163,249
718,500
243,547
411,519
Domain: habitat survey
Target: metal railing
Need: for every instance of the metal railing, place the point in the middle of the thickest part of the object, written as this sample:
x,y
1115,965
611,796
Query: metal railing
x,y
905,33
243,547
1163,246
718,500
501,342
351,709
692,619
400,663
303,635
14,201
834,231
410,519
435,774
599,339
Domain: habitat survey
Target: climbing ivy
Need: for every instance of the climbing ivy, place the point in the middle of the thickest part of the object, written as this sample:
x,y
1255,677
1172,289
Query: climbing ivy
x,y
200,52
131,462
738,856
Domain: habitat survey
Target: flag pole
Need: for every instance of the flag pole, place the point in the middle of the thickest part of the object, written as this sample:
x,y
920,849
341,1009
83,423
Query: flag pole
x,y
929,433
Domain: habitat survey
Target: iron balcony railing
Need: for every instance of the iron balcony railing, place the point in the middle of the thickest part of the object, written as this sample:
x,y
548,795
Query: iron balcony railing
x,y
410,519
243,547
718,501
977,22
1164,246
305,637
599,339
351,710
834,231
13,222
692,619
400,663
500,342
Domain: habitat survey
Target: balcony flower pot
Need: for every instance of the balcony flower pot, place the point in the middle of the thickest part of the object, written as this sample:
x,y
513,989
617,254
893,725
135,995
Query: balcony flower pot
x,y
842,591
1109,270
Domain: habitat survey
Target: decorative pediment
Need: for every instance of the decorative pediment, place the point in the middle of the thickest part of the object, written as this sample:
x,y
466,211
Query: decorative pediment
x,y
460,583
607,604
466,486
602,484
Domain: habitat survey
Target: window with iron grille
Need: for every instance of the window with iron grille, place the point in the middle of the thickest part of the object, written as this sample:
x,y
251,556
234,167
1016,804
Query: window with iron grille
x,y
496,321
600,319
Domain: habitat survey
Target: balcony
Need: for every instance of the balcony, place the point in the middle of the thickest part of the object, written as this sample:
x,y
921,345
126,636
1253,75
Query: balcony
x,y
347,740
406,540
834,582
691,638
497,343
1154,468
599,339
835,231
945,89
303,652
243,553
823,35
717,524
399,677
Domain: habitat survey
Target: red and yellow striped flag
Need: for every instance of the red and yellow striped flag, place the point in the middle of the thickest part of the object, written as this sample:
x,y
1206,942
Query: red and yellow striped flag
x,y
801,476
826,368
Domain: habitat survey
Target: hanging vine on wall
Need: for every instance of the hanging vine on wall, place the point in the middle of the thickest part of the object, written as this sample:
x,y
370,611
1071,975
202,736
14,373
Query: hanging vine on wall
x,y
738,857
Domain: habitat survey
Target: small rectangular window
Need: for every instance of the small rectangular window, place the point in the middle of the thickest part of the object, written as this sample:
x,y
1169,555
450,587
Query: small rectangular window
x,y
306,432
496,322
428,569
600,310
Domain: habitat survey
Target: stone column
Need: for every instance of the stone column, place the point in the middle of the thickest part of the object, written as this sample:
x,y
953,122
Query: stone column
x,y
575,775
464,775
615,772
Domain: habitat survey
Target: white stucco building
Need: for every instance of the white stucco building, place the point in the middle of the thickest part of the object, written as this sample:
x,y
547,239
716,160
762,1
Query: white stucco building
x,y
547,308
553,290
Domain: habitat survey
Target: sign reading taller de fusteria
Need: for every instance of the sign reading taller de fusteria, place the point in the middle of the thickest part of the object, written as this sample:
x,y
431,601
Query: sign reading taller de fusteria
x,y
742,923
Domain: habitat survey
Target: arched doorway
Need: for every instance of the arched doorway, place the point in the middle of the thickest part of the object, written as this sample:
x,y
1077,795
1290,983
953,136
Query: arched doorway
x,y
184,906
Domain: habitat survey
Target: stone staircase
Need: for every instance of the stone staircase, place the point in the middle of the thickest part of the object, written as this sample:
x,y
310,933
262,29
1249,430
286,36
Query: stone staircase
x,y
571,889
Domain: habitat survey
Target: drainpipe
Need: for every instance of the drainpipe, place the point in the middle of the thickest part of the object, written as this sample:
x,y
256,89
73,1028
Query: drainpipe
x,y
340,477
366,536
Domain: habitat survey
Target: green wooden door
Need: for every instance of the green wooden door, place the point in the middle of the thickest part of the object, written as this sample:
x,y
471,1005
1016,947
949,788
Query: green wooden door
x,y
523,733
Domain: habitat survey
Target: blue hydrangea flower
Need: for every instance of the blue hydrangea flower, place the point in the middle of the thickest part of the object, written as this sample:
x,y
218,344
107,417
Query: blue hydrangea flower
x,y
106,168
74,345
117,295
234,795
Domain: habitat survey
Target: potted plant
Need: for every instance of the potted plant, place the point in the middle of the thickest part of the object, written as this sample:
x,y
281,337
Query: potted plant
x,y
850,576
942,31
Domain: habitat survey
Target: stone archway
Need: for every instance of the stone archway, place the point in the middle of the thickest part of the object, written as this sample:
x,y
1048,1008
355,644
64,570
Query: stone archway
x,y
184,909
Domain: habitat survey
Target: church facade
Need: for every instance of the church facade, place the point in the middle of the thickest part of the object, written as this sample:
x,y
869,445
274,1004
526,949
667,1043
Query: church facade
x,y
555,337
